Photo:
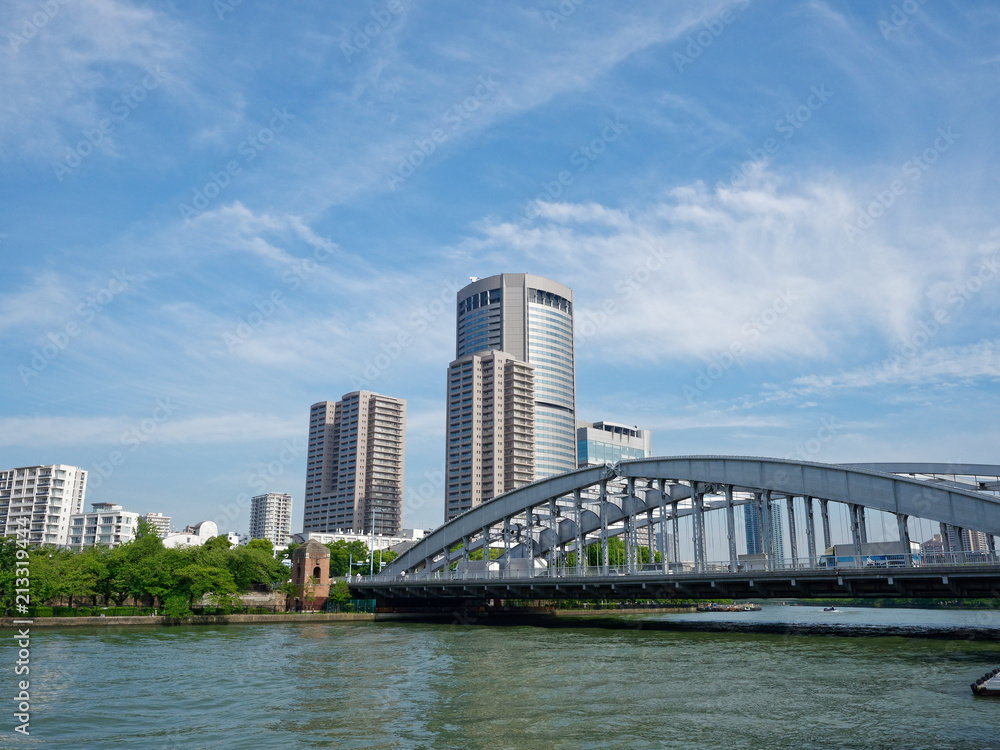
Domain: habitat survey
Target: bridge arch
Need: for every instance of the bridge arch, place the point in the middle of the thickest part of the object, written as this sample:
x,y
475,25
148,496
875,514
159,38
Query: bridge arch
x,y
541,522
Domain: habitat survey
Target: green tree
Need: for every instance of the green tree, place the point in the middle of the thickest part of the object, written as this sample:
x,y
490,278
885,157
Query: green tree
x,y
265,544
341,592
217,542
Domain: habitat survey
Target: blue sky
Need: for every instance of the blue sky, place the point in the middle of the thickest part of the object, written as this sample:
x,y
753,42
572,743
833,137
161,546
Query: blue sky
x,y
779,220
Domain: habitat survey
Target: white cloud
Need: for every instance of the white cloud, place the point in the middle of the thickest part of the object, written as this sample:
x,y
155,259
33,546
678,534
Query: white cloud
x,y
766,268
127,432
946,365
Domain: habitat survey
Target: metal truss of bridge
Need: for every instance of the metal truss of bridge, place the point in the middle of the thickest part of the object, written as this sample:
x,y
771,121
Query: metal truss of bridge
x,y
533,534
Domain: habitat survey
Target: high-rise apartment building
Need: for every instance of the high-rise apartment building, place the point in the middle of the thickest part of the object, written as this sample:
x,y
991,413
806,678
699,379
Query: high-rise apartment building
x,y
41,498
608,443
271,518
159,522
354,472
530,318
107,525
755,534
491,428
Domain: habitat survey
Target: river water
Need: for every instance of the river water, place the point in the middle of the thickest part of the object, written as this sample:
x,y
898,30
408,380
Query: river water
x,y
404,685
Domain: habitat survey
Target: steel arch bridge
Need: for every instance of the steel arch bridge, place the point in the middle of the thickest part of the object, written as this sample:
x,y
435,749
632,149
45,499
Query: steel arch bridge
x,y
535,534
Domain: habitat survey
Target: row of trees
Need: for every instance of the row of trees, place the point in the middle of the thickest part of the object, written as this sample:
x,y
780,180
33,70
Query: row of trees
x,y
143,571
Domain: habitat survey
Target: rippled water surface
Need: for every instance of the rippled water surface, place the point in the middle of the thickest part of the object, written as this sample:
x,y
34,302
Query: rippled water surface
x,y
393,685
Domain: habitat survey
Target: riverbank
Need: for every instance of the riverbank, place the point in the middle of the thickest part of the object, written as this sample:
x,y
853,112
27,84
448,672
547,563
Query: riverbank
x,y
128,621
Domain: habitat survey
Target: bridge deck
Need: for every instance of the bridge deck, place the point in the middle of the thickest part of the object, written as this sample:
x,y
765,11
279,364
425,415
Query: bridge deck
x,y
957,581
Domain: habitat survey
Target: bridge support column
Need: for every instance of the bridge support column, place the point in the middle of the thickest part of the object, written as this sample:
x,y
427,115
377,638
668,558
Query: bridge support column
x,y
465,555
731,530
529,541
506,546
810,531
663,526
904,536
675,522
650,530
767,530
991,544
699,527
631,531
793,542
580,552
604,526
863,524
428,564
824,512
487,556
856,533
554,549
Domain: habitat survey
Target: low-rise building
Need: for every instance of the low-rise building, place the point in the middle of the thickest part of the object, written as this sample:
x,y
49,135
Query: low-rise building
x,y
380,541
192,536
107,525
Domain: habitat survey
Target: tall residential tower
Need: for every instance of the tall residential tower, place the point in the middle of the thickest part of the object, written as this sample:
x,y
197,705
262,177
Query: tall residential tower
x,y
530,319
354,472
37,501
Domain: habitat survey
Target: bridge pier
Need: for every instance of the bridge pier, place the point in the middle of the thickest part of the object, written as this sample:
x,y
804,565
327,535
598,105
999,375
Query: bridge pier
x,y
793,542
731,530
824,512
810,530
904,535
675,522
663,525
767,530
580,552
855,530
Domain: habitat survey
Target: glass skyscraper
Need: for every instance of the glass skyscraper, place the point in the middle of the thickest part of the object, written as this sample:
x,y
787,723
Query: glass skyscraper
x,y
755,535
531,319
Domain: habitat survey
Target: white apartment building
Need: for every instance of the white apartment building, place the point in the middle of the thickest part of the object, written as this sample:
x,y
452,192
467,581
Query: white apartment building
x,y
159,522
41,498
380,541
107,525
271,518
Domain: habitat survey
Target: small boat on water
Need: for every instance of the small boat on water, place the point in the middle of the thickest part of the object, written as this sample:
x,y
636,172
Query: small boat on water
x,y
829,609
988,684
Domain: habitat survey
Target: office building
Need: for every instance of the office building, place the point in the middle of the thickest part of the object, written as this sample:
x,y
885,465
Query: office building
x,y
159,522
107,525
354,472
754,531
491,428
271,518
41,499
531,319
608,443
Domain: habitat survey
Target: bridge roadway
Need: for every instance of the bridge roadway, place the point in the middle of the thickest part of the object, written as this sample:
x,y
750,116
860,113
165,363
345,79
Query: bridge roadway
x,y
969,581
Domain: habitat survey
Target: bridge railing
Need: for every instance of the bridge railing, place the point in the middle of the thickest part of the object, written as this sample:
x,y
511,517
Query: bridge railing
x,y
500,572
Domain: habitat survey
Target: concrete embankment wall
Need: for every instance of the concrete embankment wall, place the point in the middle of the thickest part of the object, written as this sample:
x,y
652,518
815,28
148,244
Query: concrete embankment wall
x,y
91,622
